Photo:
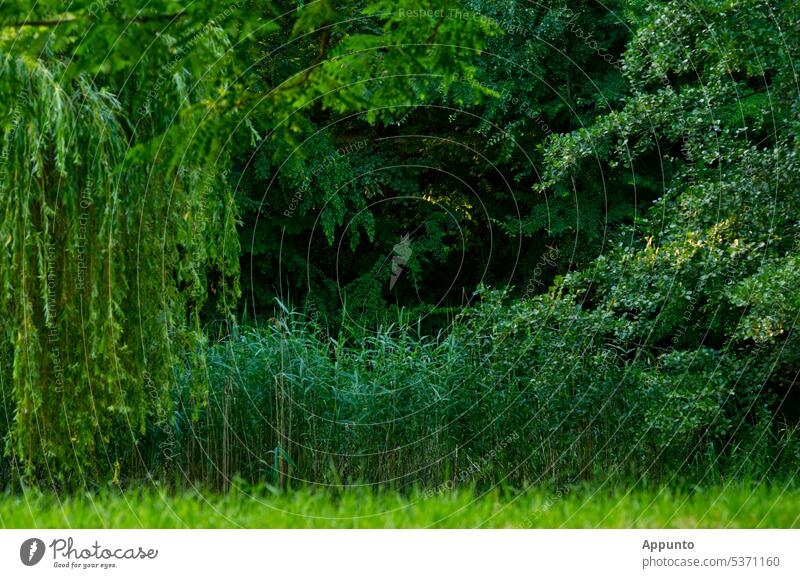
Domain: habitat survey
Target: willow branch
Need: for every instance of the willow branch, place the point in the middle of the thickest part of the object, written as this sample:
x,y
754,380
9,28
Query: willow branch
x,y
60,21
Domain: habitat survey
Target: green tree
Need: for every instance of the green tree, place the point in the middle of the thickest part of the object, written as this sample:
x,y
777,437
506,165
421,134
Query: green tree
x,y
119,222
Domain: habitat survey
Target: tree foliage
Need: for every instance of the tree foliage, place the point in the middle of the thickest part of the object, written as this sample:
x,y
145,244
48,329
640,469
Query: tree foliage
x,y
624,175
118,220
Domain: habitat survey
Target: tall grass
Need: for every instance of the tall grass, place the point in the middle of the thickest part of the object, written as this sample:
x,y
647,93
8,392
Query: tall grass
x,y
289,405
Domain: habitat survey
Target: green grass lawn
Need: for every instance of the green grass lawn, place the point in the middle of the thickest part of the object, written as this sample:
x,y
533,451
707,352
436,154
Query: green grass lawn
x,y
577,507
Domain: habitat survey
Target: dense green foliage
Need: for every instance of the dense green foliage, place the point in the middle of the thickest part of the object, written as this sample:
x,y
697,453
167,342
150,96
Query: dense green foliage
x,y
452,160
517,243
118,217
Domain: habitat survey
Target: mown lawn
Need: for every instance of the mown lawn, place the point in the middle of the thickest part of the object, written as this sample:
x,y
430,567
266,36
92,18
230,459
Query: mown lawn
x,y
739,506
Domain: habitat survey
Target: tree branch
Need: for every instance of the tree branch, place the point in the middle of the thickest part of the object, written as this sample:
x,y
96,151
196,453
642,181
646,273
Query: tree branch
x,y
60,21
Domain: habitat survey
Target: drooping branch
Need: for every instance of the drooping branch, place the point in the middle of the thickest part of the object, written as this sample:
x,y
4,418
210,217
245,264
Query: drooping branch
x,y
89,17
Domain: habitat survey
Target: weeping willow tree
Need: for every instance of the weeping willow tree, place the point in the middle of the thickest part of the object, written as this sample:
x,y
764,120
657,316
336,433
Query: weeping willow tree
x,y
117,219
106,251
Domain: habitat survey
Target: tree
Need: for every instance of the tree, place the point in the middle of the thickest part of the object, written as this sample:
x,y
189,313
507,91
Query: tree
x,y
119,223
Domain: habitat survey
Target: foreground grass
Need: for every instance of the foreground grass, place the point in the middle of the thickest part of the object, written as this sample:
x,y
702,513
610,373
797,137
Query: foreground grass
x,y
577,507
